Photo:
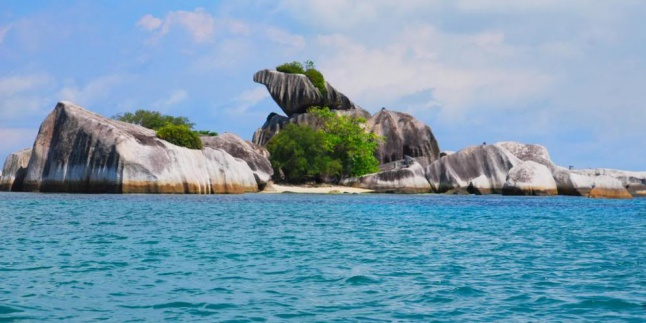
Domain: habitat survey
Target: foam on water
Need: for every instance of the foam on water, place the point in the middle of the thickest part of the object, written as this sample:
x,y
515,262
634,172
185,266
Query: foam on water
x,y
256,258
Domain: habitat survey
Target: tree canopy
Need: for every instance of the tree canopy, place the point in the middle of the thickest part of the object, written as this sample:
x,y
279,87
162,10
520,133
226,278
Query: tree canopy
x,y
339,147
176,130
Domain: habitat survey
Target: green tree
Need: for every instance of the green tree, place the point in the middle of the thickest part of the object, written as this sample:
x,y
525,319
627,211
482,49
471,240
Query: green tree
x,y
338,147
180,135
152,119
302,154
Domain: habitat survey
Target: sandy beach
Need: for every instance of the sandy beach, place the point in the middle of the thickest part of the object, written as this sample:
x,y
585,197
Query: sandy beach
x,y
310,189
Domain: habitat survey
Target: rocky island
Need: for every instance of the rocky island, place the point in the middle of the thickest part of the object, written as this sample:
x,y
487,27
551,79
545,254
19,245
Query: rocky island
x,y
78,151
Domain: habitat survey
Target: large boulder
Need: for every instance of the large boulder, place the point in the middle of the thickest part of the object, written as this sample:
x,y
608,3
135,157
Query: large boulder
x,y
80,151
409,177
14,170
403,136
477,169
255,156
295,93
571,183
608,187
634,182
529,178
529,152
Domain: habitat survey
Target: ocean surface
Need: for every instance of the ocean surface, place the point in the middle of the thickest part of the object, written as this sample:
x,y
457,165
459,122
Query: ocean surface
x,y
321,258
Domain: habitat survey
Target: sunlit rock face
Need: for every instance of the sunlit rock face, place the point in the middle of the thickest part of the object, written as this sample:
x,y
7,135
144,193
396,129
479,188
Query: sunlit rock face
x,y
254,155
295,93
80,151
529,152
403,135
14,170
476,169
529,178
408,177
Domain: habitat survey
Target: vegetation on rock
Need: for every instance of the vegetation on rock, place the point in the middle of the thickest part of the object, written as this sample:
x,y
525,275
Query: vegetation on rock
x,y
308,70
180,135
339,147
176,130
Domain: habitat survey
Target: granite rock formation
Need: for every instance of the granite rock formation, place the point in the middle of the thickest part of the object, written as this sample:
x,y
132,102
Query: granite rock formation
x,y
255,156
477,169
409,177
295,93
14,170
529,152
403,135
608,187
529,178
80,151
634,182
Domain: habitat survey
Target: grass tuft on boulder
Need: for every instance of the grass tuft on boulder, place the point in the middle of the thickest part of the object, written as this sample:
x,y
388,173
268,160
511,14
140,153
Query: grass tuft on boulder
x,y
308,70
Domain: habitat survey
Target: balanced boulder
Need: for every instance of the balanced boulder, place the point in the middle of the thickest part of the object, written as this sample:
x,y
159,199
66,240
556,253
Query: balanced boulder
x,y
295,93
14,170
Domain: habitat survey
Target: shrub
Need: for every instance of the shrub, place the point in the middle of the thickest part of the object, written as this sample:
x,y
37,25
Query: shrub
x,y
291,68
208,133
317,79
180,135
309,70
152,119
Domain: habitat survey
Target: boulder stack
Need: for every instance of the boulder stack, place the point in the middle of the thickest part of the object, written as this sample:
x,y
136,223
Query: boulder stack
x,y
14,170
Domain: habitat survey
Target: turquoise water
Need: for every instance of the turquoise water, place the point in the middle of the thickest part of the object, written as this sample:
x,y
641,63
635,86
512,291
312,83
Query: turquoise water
x,y
302,258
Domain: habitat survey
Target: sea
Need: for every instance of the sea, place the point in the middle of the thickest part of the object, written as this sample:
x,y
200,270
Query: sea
x,y
321,258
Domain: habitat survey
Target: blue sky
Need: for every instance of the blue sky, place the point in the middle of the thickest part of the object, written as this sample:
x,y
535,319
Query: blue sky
x,y
570,75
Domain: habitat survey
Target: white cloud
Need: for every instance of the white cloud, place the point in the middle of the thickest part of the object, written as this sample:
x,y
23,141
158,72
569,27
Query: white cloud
x,y
198,23
175,97
12,85
3,32
285,39
149,23
96,89
248,99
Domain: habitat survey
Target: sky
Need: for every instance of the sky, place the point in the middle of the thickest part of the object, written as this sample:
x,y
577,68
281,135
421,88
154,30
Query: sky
x,y
569,75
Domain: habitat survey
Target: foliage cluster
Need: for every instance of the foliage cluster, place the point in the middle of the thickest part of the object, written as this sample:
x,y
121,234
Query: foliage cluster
x,y
180,135
339,147
308,70
176,130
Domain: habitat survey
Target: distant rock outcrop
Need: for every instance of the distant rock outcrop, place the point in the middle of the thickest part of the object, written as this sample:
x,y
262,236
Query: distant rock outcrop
x,y
255,156
408,178
80,151
608,187
403,135
295,93
529,152
634,182
477,169
529,178
14,170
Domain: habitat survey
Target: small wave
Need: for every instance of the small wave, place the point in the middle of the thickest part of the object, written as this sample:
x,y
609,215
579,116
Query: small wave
x,y
605,303
294,315
468,291
9,310
178,305
361,280
220,306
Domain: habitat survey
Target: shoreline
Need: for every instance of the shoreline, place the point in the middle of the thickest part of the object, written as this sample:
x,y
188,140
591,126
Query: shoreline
x,y
313,189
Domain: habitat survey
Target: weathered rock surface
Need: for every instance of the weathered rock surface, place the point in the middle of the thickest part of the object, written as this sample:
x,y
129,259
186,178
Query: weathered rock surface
x,y
254,155
527,152
409,178
403,136
80,151
634,182
14,170
529,178
477,169
295,93
608,187
573,184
